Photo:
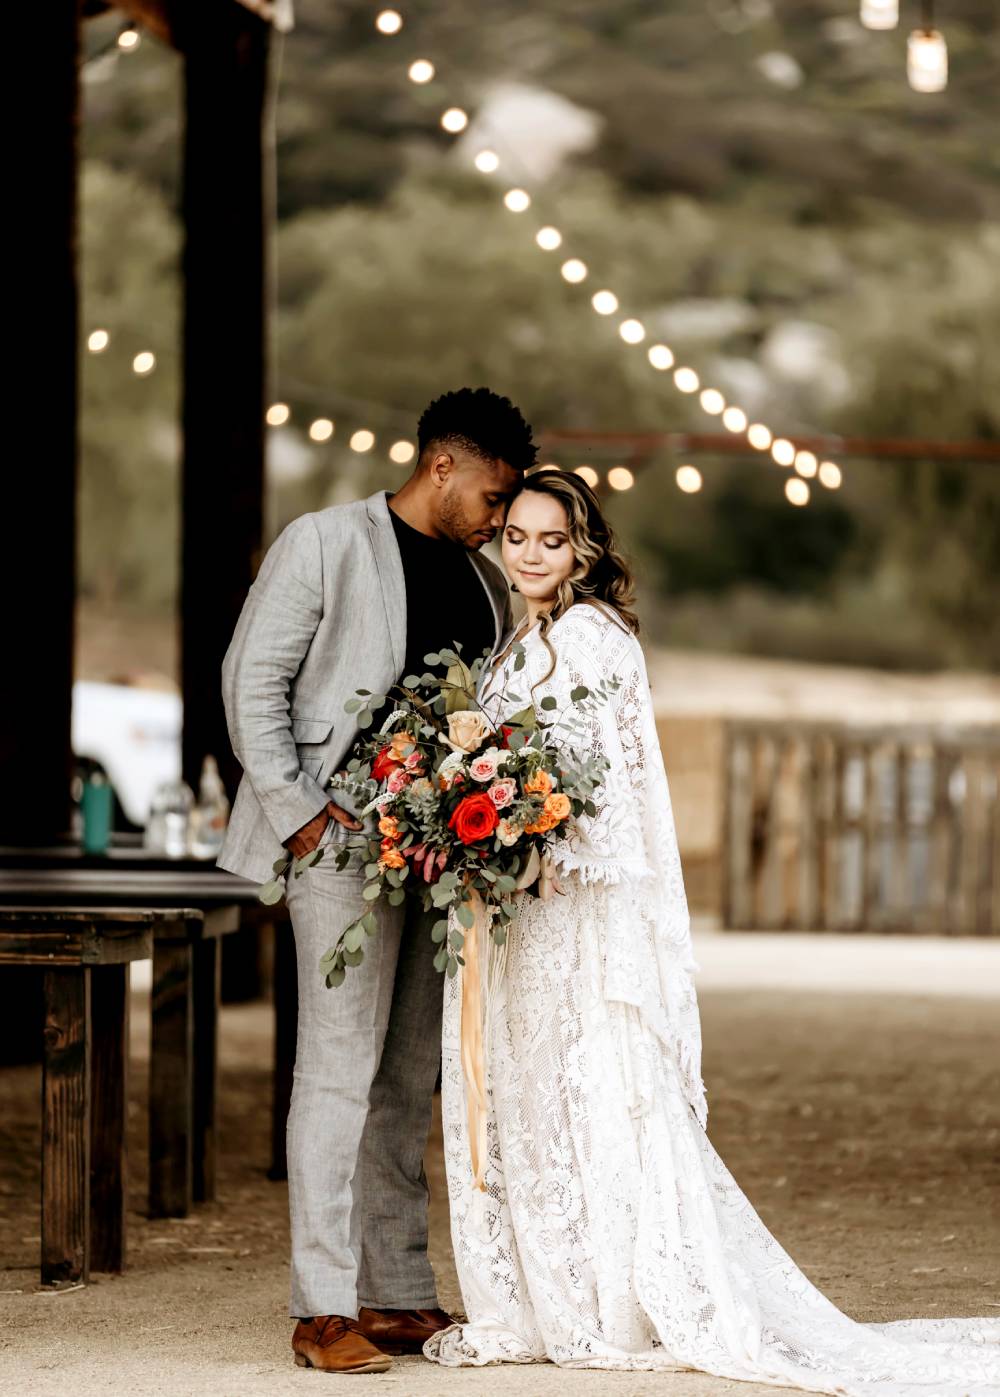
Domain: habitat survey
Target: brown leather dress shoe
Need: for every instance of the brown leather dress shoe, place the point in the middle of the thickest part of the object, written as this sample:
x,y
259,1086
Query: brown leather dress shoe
x,y
402,1331
336,1345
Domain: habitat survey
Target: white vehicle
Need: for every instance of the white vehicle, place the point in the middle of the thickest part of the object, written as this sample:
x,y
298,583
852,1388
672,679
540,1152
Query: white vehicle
x,y
135,735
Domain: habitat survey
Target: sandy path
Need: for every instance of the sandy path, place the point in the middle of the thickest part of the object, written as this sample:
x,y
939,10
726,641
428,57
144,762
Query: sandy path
x,y
864,1126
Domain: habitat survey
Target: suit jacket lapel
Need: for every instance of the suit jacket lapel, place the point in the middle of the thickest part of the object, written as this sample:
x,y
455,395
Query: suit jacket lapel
x,y
390,571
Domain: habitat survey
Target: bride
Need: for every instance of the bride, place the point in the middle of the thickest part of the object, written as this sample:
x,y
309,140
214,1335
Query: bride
x,y
611,1234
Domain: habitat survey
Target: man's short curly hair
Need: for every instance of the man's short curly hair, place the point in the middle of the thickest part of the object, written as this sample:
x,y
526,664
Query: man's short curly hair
x,y
482,423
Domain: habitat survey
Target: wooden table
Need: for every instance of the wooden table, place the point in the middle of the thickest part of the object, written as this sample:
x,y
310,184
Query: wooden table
x,y
85,953
128,861
185,1006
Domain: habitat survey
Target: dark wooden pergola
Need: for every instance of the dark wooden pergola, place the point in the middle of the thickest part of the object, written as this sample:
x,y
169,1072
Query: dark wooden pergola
x,y
224,47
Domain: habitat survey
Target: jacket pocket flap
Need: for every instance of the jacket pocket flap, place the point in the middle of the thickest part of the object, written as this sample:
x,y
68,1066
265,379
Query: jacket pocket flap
x,y
311,729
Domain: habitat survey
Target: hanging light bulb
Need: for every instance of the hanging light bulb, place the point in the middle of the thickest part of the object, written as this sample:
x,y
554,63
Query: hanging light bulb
x,y
487,161
574,270
548,239
278,414
660,356
830,475
880,14
144,363
98,341
688,479
362,440
759,436
734,419
420,70
517,200
588,474
783,451
805,463
321,429
927,60
604,302
632,331
686,380
401,452
389,22
620,478
129,39
454,120
712,401
796,490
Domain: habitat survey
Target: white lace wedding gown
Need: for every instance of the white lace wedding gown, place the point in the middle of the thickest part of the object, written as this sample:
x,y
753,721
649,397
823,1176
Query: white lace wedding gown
x,y
611,1234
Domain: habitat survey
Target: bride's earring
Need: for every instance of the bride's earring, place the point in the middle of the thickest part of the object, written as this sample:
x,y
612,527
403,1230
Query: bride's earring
x,y
513,586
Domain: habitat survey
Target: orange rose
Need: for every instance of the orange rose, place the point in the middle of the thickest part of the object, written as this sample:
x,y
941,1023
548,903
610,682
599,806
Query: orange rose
x,y
389,826
401,744
391,858
542,825
556,806
539,784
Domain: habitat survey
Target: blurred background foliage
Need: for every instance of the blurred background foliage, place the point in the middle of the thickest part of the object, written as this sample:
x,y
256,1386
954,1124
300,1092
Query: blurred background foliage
x,y
763,189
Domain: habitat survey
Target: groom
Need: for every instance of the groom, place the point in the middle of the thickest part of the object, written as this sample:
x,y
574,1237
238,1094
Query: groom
x,y
354,597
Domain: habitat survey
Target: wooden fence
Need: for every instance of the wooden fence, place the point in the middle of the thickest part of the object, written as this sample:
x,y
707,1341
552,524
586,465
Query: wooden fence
x,y
838,828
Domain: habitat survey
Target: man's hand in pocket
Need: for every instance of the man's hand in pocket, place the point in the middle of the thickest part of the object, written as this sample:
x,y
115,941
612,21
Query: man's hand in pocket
x,y
306,839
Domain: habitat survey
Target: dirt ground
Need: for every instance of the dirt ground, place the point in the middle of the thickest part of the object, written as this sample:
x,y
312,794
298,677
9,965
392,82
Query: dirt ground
x,y
865,1126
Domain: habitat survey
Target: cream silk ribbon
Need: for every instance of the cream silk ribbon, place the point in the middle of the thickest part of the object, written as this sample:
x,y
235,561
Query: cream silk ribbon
x,y
477,993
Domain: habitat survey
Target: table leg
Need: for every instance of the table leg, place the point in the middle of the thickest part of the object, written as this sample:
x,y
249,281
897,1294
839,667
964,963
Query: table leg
x,y
109,1116
286,1019
207,986
171,1081
66,1126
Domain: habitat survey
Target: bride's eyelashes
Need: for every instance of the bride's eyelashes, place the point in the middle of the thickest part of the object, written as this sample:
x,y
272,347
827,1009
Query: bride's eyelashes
x,y
515,540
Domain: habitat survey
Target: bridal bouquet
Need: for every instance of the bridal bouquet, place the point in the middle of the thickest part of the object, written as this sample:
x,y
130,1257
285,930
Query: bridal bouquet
x,y
461,811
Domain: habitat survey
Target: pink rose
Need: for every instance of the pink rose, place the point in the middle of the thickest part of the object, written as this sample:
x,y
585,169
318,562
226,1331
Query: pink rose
x,y
398,779
503,792
414,761
484,767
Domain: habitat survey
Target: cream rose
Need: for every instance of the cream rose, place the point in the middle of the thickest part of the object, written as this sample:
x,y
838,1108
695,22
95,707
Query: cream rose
x,y
467,730
508,832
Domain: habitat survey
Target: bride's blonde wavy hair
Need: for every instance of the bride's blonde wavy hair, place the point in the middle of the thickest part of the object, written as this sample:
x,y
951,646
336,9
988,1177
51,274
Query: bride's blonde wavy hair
x,y
601,576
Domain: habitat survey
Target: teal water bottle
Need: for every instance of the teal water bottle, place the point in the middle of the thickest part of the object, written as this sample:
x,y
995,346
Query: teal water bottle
x,y
96,807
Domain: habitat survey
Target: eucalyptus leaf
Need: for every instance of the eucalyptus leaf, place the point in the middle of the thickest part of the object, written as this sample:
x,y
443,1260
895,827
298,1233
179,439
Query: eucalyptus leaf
x,y
452,967
441,959
397,896
371,891
465,915
439,930
335,978
271,893
280,865
353,958
580,692
353,937
365,719
548,703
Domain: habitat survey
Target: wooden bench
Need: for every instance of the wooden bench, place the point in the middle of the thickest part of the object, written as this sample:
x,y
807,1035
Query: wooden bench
x,y
85,953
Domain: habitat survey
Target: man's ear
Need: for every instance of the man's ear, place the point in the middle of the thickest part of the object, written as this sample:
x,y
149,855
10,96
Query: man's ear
x,y
442,468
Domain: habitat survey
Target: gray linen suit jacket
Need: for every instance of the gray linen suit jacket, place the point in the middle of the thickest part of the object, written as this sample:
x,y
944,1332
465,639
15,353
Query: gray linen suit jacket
x,y
326,616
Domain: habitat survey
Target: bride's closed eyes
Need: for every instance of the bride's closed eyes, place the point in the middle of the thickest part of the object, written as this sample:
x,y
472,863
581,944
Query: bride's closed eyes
x,y
516,538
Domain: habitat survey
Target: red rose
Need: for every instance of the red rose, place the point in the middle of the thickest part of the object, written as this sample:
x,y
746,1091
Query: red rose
x,y
384,763
505,733
475,817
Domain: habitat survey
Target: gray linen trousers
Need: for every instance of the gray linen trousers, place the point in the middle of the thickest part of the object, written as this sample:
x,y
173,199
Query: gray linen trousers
x,y
326,616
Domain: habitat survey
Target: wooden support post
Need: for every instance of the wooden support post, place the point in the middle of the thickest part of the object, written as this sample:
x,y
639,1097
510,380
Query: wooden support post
x,y
286,1018
66,1086
109,1116
171,1081
207,967
226,215
38,558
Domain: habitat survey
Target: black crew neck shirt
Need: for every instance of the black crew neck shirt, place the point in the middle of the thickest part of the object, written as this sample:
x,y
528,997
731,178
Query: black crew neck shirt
x,y
446,602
